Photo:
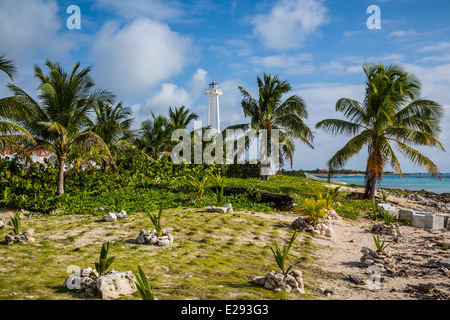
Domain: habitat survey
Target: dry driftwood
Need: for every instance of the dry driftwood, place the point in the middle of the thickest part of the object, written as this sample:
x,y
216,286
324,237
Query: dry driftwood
x,y
281,202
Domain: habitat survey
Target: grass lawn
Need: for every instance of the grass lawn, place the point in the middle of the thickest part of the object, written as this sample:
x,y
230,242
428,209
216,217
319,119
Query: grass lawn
x,y
214,256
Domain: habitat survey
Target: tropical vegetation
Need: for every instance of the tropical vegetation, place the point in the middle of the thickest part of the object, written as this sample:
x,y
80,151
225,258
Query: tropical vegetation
x,y
391,115
271,111
59,122
97,160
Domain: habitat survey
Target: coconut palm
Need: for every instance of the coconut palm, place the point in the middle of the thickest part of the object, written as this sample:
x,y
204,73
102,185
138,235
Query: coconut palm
x,y
112,123
7,66
269,112
392,114
59,121
11,134
181,117
154,137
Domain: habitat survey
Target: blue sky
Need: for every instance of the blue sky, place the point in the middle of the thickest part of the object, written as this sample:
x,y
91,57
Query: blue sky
x,y
158,53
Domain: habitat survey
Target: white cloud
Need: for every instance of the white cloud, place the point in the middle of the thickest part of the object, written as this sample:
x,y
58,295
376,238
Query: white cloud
x,y
230,101
289,23
154,9
199,75
387,58
403,34
444,58
170,94
291,64
322,97
30,29
139,56
283,61
441,46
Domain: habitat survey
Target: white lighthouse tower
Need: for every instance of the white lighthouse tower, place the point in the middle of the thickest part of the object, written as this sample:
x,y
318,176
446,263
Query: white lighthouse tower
x,y
213,94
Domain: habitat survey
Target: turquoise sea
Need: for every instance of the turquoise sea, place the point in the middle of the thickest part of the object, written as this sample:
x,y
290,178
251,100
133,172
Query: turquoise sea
x,y
409,182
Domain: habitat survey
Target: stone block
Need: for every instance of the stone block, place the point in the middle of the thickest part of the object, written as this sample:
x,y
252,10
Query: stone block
x,y
446,219
389,209
434,222
424,213
418,220
406,215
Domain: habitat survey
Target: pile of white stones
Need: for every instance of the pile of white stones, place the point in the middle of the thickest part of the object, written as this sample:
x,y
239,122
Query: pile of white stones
x,y
321,227
332,215
226,208
151,237
2,223
391,230
381,259
26,236
112,216
292,282
111,285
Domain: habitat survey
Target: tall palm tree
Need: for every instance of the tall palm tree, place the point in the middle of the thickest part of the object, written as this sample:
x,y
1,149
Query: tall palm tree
x,y
154,137
112,123
392,114
59,121
181,117
11,134
268,111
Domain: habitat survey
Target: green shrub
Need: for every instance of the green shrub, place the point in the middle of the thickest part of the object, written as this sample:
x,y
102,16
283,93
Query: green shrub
x,y
387,217
385,195
220,184
281,255
314,210
104,262
380,245
330,197
200,185
156,220
16,223
143,287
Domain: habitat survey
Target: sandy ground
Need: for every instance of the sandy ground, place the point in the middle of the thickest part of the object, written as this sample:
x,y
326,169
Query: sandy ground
x,y
415,255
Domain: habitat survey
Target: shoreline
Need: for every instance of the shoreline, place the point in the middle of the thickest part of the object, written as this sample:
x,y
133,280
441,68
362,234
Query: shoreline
x,y
423,192
407,198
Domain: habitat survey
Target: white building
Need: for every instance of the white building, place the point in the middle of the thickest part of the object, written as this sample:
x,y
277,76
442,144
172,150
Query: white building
x,y
213,94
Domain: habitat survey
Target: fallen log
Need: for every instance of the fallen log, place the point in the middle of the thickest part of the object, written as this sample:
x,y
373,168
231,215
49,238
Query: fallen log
x,y
282,202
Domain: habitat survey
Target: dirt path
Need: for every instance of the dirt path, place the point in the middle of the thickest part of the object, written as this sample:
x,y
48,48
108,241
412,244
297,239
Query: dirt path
x,y
341,256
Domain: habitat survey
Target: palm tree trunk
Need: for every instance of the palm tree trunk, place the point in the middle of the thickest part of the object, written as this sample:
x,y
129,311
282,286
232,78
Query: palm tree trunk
x,y
371,189
60,181
374,172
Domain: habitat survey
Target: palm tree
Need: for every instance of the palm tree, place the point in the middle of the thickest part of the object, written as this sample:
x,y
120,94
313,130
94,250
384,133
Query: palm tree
x,y
58,124
154,138
391,114
12,135
112,123
180,118
7,66
270,112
